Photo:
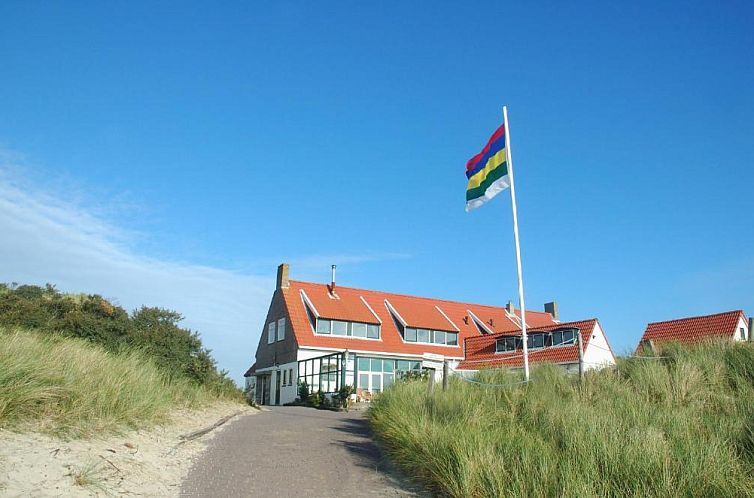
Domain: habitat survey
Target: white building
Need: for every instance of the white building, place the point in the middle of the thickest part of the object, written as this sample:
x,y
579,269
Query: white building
x,y
329,336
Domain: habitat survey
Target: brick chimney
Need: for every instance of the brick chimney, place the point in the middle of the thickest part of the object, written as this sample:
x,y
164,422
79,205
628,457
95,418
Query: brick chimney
x,y
283,276
332,279
510,308
552,309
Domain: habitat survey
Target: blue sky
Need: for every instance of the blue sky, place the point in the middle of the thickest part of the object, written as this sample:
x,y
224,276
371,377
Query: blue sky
x,y
173,154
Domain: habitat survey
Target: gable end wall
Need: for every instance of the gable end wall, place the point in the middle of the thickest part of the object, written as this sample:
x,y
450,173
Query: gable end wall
x,y
279,352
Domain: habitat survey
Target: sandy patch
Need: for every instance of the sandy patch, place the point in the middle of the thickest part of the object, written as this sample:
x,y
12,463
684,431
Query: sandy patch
x,y
135,463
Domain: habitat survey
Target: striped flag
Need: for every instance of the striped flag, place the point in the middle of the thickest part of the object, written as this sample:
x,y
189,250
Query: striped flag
x,y
487,172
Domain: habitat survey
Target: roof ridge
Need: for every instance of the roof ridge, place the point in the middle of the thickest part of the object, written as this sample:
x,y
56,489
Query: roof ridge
x,y
739,312
412,296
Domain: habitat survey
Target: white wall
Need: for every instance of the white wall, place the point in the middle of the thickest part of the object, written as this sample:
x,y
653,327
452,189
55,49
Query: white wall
x,y
597,353
289,391
741,324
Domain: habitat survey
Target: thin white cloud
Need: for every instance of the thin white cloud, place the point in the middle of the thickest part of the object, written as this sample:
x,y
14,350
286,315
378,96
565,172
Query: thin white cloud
x,y
58,238
46,239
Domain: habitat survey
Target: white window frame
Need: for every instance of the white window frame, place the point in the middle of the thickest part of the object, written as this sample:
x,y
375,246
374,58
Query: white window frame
x,y
502,340
271,333
349,330
431,337
281,329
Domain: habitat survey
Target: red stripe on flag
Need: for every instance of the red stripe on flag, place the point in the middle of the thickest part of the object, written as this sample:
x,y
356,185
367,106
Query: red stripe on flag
x,y
474,160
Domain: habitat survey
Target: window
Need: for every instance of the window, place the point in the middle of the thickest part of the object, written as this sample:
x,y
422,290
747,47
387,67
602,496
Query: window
x,y
439,337
339,328
285,378
376,374
359,329
324,373
563,337
743,334
349,329
323,326
281,329
403,365
430,336
410,335
271,333
376,365
505,344
535,341
363,364
290,376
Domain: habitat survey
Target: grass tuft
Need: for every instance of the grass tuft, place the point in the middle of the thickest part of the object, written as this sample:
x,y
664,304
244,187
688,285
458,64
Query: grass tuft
x,y
71,387
679,426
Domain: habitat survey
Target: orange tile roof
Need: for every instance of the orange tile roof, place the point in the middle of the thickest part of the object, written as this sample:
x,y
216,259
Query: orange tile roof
x,y
340,305
418,312
480,351
695,328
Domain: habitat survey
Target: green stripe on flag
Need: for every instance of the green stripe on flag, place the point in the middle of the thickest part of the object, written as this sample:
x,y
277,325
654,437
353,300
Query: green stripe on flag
x,y
493,176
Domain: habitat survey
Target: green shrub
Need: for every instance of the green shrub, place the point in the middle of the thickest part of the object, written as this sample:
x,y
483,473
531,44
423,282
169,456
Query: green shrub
x,y
303,391
343,396
315,399
678,426
154,331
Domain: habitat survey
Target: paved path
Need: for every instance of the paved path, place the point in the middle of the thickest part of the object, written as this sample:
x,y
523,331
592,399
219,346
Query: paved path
x,y
294,451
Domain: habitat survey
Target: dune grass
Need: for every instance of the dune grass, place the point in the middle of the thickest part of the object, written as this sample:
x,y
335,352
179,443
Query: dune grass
x,y
71,387
678,426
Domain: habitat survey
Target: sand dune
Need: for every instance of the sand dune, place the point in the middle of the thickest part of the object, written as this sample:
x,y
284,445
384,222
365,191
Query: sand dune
x,y
135,463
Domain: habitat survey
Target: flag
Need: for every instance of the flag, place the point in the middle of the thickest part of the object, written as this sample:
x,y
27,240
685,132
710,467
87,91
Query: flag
x,y
487,172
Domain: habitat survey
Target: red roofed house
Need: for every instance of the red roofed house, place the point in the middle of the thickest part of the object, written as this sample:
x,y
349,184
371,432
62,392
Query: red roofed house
x,y
330,336
730,325
553,343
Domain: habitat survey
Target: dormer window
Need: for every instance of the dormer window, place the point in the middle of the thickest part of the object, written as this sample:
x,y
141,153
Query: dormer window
x,y
564,337
342,328
426,336
537,340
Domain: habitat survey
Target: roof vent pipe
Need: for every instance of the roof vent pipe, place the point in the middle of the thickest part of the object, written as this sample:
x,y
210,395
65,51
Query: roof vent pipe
x,y
332,279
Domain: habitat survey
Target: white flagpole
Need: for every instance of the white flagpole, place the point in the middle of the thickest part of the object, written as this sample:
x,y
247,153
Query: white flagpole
x,y
518,247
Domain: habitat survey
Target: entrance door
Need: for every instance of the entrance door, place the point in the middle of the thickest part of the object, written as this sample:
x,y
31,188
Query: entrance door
x,y
265,398
277,387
